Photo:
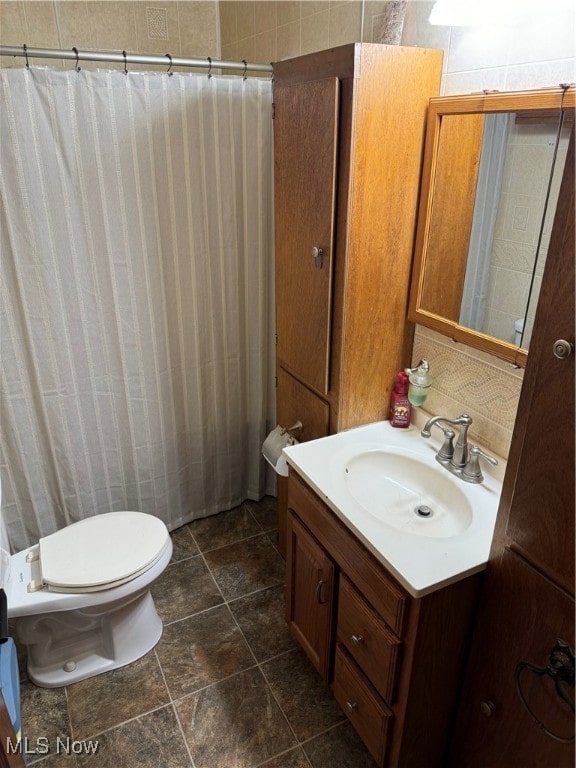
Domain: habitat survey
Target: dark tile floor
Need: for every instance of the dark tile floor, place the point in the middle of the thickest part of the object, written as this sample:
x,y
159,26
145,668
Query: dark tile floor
x,y
226,686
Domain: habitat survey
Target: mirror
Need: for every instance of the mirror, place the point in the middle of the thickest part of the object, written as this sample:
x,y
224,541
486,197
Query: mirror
x,y
491,177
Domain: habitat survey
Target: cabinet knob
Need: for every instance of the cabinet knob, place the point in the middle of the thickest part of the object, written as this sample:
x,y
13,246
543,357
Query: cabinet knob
x,y
320,596
562,349
317,257
487,708
357,640
351,706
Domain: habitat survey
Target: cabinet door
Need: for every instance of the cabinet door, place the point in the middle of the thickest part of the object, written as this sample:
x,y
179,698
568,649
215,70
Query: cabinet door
x,y
305,148
295,402
523,615
310,594
541,520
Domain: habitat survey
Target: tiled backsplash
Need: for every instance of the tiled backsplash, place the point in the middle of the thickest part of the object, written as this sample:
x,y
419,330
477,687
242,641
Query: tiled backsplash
x,y
467,381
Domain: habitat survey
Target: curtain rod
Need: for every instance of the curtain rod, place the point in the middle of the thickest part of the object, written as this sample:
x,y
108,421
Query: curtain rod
x,y
130,58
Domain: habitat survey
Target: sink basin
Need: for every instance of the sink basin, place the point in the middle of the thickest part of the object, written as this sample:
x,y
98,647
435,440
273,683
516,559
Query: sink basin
x,y
406,493
378,480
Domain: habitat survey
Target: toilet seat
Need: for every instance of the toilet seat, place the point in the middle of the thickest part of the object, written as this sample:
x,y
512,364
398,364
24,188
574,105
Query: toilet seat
x,y
101,552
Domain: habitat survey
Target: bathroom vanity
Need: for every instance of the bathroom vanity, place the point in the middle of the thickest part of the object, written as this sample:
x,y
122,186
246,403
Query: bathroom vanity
x,y
389,633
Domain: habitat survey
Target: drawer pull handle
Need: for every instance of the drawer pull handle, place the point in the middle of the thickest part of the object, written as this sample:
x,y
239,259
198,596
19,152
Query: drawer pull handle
x,y
320,597
357,640
351,706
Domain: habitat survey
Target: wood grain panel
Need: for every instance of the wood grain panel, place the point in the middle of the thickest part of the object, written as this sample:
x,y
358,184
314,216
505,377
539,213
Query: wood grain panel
x,y
341,61
390,101
304,190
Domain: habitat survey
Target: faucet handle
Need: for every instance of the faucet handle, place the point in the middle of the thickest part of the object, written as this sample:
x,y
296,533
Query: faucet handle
x,y
472,472
446,451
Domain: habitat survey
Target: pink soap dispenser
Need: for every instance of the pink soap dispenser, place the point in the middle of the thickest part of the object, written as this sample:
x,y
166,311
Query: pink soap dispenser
x,y
400,408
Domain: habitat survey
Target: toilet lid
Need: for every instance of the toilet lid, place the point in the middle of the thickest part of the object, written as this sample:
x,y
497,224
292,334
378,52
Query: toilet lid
x,y
101,551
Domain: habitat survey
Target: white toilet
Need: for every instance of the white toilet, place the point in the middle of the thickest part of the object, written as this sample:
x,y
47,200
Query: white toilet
x,y
81,597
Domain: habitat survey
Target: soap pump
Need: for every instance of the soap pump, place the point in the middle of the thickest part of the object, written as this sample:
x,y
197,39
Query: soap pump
x,y
400,409
419,382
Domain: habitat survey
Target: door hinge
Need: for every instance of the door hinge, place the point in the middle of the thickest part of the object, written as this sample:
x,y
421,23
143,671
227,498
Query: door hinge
x,y
275,339
273,111
276,381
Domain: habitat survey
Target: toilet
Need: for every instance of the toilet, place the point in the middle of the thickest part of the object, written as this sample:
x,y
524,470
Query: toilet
x,y
81,598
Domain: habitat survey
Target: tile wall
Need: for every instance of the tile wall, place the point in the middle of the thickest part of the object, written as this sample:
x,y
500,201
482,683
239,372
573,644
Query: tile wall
x,y
272,31
183,28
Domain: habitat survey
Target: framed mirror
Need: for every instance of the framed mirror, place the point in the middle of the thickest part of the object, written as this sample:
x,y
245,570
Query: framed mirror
x,y
491,177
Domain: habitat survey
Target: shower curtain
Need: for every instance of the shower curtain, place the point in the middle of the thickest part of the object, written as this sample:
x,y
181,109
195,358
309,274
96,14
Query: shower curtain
x,y
488,192
135,319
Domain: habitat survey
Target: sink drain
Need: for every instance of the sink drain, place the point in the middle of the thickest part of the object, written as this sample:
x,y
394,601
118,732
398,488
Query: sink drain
x,y
423,511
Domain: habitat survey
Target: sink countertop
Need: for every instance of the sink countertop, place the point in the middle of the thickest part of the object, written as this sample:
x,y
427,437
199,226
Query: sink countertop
x,y
421,564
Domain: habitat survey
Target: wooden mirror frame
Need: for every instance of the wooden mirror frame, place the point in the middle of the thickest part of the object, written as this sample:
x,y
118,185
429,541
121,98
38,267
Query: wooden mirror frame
x,y
560,98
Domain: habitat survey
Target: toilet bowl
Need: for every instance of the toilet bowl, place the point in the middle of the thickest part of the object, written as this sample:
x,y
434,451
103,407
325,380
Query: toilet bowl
x,y
81,598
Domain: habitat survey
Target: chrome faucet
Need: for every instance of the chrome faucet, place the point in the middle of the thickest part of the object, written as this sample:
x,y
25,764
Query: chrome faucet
x,y
458,458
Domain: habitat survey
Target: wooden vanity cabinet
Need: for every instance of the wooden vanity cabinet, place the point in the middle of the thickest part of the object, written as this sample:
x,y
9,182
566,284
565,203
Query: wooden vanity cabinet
x,y
348,139
394,661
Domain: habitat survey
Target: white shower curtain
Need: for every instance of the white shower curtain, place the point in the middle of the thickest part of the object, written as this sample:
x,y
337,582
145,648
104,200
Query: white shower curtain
x,y
136,264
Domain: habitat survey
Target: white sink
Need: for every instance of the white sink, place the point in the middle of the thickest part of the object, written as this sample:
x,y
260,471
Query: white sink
x,y
404,492
376,479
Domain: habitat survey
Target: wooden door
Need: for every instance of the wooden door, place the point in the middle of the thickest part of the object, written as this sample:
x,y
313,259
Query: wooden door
x,y
310,594
305,149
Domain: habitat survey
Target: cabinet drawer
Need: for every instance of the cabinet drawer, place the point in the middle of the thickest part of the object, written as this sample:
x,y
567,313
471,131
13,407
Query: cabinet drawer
x,y
362,705
369,641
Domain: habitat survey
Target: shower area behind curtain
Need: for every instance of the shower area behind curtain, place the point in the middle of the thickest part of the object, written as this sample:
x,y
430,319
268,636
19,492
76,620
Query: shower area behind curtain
x,y
135,319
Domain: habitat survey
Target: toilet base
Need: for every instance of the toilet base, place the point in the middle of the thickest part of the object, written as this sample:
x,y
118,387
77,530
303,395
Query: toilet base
x,y
68,646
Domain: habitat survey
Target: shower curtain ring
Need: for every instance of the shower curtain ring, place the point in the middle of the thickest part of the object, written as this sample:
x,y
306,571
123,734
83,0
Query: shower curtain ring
x,y
245,69
170,67
125,64
25,47
77,68
209,67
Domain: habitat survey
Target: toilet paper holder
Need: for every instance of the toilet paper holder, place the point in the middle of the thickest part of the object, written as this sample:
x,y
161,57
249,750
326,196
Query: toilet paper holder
x,y
298,427
277,440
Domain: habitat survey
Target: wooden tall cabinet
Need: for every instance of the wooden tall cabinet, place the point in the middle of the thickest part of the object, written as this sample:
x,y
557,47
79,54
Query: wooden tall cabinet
x,y
348,136
518,696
